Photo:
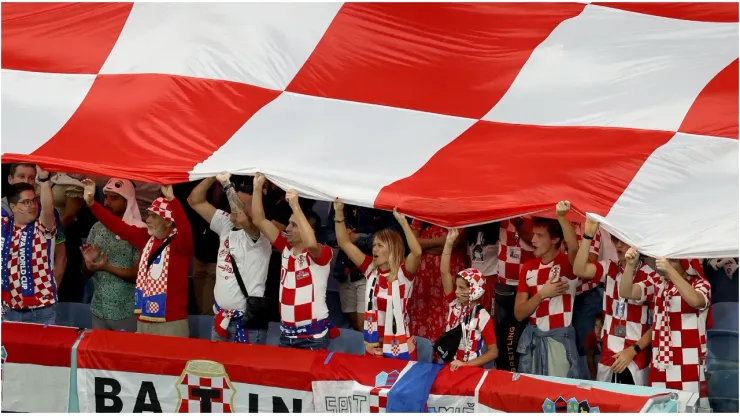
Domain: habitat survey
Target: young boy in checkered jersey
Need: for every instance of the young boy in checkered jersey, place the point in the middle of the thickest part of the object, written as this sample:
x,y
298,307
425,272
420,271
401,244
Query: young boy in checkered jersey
x,y
546,293
462,295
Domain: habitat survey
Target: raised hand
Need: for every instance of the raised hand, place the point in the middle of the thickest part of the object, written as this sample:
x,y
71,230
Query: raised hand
x,y
168,192
259,182
591,228
89,191
41,173
663,265
224,178
452,234
562,208
293,199
398,216
632,255
338,207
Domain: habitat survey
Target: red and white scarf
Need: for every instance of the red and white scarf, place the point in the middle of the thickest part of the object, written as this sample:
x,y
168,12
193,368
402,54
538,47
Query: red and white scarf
x,y
396,338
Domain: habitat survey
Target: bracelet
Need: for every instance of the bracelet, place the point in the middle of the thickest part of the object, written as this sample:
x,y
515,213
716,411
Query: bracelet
x,y
588,237
338,221
46,179
228,186
636,347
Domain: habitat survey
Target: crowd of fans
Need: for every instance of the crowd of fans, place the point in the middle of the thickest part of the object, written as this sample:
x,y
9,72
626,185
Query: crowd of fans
x,y
531,294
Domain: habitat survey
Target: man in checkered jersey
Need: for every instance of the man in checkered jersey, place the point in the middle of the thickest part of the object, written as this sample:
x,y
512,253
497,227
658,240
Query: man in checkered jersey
x,y
547,290
29,291
681,296
304,273
626,333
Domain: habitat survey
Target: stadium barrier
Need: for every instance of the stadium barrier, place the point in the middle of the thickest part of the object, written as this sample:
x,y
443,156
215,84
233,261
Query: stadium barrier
x,y
103,371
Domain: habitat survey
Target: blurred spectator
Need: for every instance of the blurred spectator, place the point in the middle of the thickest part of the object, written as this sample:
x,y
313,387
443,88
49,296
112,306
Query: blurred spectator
x,y
723,276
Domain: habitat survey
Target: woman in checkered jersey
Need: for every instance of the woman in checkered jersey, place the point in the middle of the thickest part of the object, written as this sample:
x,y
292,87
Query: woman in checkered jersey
x,y
389,284
681,296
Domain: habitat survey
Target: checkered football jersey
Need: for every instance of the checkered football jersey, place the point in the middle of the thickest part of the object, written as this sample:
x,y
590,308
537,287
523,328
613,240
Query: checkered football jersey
x,y
303,281
633,315
42,268
512,253
555,312
595,243
484,332
688,334
380,295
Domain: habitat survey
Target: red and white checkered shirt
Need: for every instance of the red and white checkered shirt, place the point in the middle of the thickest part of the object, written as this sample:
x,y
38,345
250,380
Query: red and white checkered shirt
x,y
303,283
512,253
483,332
632,315
555,312
687,342
381,297
595,243
42,268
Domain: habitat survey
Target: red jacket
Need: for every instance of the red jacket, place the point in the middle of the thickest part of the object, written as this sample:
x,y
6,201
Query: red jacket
x,y
181,254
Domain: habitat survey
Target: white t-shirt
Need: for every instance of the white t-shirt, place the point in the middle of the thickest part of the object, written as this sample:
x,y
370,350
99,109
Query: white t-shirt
x,y
251,257
483,257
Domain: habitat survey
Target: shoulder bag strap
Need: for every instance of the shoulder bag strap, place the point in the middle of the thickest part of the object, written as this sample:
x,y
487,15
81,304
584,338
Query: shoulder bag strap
x,y
238,275
158,251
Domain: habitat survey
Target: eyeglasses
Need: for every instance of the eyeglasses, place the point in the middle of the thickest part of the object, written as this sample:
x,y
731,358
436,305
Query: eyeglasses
x,y
29,202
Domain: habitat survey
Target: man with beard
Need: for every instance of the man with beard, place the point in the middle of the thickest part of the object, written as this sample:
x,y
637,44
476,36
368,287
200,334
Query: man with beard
x,y
29,290
547,290
112,261
166,247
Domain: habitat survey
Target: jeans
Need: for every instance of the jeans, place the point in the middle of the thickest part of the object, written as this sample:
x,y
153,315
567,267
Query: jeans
x,y
255,336
46,316
313,344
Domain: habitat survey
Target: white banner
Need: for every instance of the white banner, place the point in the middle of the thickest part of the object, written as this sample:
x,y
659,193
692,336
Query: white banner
x,y
49,385
203,387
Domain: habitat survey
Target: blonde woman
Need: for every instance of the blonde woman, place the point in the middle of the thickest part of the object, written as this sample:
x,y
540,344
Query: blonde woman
x,y
389,283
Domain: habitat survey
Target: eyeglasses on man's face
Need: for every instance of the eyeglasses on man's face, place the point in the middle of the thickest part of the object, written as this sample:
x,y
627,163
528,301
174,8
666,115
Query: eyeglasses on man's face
x,y
28,202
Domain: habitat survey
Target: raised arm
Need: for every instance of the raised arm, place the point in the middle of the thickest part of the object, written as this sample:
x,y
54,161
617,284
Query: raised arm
x,y
237,206
265,226
307,232
183,241
136,236
197,200
46,197
693,297
448,282
342,234
627,288
414,258
581,265
569,234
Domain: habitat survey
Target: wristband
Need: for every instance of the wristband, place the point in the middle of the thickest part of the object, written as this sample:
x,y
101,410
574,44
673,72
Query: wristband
x,y
228,186
588,237
46,179
339,221
636,347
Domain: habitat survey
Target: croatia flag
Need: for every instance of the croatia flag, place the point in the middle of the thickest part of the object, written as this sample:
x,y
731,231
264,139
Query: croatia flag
x,y
349,384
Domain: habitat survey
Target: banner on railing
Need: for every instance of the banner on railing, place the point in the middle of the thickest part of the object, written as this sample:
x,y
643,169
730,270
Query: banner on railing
x,y
127,372
36,367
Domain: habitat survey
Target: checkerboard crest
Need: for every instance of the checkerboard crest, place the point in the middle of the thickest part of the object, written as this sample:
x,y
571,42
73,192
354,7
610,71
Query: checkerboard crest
x,y
199,375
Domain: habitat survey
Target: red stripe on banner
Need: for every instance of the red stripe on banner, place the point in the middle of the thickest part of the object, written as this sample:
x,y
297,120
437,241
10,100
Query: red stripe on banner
x,y
358,368
449,58
156,354
702,12
72,38
529,395
34,344
715,110
461,184
461,382
150,127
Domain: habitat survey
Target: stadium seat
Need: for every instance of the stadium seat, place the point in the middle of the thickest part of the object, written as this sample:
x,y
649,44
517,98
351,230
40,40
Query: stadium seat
x,y
76,315
722,350
425,349
725,316
348,341
200,326
723,391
